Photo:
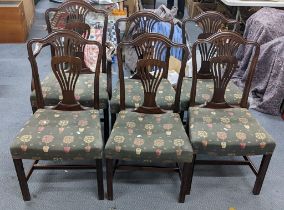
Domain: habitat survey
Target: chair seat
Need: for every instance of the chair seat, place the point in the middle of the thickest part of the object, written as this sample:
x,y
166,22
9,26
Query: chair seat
x,y
204,92
227,132
52,135
84,91
134,95
148,138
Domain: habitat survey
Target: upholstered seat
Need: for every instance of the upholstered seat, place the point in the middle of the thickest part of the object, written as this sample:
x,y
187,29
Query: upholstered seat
x,y
227,132
53,134
204,92
148,138
84,91
134,95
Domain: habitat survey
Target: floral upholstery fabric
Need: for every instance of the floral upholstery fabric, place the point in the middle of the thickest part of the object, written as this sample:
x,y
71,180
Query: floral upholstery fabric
x,y
56,135
84,91
227,132
204,92
134,95
148,138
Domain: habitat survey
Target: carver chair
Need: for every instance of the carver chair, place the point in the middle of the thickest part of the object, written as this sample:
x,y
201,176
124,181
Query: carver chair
x,y
210,22
148,133
127,29
219,128
67,131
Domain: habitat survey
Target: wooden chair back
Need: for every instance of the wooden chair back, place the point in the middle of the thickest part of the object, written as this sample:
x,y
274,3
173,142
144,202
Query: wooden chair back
x,y
66,66
210,22
151,68
73,14
222,65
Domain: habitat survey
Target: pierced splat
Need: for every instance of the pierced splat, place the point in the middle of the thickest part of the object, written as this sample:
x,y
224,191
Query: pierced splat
x,y
84,30
65,44
150,83
68,14
225,45
210,22
138,24
66,70
222,69
154,48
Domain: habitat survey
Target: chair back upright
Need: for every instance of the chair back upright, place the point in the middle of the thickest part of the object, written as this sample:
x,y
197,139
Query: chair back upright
x,y
210,22
66,66
73,15
151,68
222,66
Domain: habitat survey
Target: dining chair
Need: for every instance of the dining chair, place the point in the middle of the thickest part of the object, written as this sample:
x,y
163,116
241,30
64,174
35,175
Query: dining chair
x,y
67,131
210,22
149,133
127,29
219,128
79,16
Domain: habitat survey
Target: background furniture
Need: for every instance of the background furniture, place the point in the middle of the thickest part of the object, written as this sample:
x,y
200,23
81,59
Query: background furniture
x,y
13,22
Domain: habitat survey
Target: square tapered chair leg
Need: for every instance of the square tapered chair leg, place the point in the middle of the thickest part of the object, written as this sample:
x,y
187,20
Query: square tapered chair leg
x,y
109,171
100,179
191,175
22,179
261,174
113,119
184,181
106,124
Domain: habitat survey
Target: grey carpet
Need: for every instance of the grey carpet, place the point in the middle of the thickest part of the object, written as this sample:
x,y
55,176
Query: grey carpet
x,y
215,188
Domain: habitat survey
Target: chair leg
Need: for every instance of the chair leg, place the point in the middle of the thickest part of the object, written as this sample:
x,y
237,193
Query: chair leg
x,y
100,179
109,171
184,181
106,124
261,174
191,174
22,179
181,115
113,119
34,109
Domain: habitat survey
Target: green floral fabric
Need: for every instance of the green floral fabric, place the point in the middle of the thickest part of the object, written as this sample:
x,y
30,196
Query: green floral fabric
x,y
227,132
149,138
134,95
204,92
56,135
84,91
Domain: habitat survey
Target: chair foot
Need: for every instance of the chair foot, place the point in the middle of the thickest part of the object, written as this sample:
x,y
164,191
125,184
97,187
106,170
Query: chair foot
x,y
113,119
34,109
109,171
106,124
184,182
191,175
100,179
22,179
261,174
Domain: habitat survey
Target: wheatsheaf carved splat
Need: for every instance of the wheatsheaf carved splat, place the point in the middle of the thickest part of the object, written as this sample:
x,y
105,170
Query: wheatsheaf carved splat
x,y
66,70
154,49
150,82
210,22
68,16
138,24
222,69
